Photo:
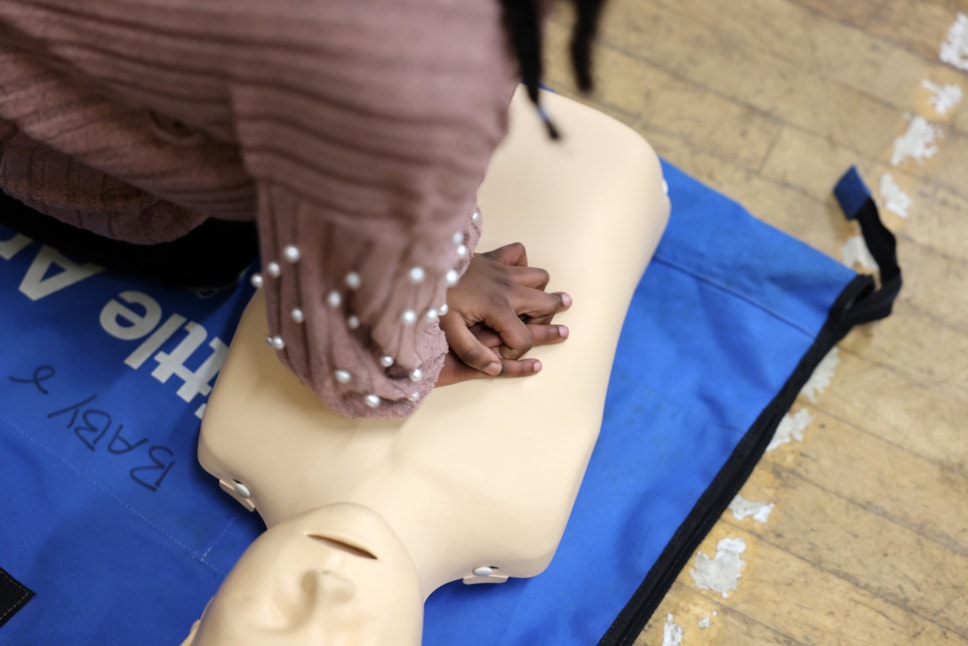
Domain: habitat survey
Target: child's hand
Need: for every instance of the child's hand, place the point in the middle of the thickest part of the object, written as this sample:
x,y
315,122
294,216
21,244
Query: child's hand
x,y
500,294
455,370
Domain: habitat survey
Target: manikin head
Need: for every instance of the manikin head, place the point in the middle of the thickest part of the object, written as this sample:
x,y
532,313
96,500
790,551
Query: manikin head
x,y
335,575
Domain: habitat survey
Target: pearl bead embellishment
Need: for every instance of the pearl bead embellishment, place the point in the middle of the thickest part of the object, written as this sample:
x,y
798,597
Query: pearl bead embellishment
x,y
273,269
372,401
452,277
414,396
431,315
386,361
353,280
291,254
297,315
459,238
475,216
342,376
461,251
417,275
256,280
484,570
416,374
409,317
353,322
443,310
334,299
276,342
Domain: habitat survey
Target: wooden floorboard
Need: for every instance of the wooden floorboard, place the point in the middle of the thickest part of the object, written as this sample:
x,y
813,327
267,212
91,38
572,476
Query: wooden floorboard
x,y
769,101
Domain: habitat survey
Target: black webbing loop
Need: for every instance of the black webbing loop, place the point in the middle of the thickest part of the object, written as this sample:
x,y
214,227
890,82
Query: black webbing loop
x,y
857,203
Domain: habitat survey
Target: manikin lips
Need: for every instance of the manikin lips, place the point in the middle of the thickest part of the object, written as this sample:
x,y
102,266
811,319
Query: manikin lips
x,y
345,544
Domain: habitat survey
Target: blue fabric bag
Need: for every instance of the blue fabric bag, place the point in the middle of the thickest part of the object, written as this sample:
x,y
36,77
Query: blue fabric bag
x,y
123,538
107,515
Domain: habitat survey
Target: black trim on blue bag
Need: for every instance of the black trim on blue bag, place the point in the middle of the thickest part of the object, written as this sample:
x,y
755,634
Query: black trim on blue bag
x,y
13,596
860,302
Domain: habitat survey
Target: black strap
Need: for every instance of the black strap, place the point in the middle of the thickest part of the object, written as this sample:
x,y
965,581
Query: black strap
x,y
857,203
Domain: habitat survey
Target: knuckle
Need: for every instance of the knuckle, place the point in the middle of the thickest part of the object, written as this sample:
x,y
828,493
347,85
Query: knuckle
x,y
523,342
511,369
549,333
497,302
473,355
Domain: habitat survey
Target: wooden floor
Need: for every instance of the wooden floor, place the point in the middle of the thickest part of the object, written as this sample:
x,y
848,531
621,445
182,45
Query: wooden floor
x,y
770,101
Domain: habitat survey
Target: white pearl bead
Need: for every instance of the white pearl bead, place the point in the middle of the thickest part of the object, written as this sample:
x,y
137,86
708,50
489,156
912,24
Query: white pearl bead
x,y
475,216
461,251
417,275
256,280
443,309
342,376
416,374
273,269
459,237
409,317
414,396
353,322
277,343
291,253
452,277
432,315
484,570
353,280
297,315
386,361
334,299
372,401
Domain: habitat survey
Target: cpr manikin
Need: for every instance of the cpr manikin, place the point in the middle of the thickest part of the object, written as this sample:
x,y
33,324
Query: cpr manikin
x,y
367,517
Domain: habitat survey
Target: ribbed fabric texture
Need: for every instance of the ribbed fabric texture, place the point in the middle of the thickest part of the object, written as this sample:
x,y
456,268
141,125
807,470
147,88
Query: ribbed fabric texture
x,y
356,132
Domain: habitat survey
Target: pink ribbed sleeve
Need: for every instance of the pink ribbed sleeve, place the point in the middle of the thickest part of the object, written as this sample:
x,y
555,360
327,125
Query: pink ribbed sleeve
x,y
359,132
368,151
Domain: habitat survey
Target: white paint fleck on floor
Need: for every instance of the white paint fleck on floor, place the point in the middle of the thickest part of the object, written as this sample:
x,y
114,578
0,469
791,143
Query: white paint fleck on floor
x,y
671,632
791,428
918,143
954,50
944,97
856,254
893,197
743,508
722,572
820,379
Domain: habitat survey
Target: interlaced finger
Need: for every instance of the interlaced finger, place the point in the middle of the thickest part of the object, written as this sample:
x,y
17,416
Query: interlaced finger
x,y
468,347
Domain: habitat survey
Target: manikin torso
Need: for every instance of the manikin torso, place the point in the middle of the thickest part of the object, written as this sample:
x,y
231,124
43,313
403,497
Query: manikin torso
x,y
477,484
